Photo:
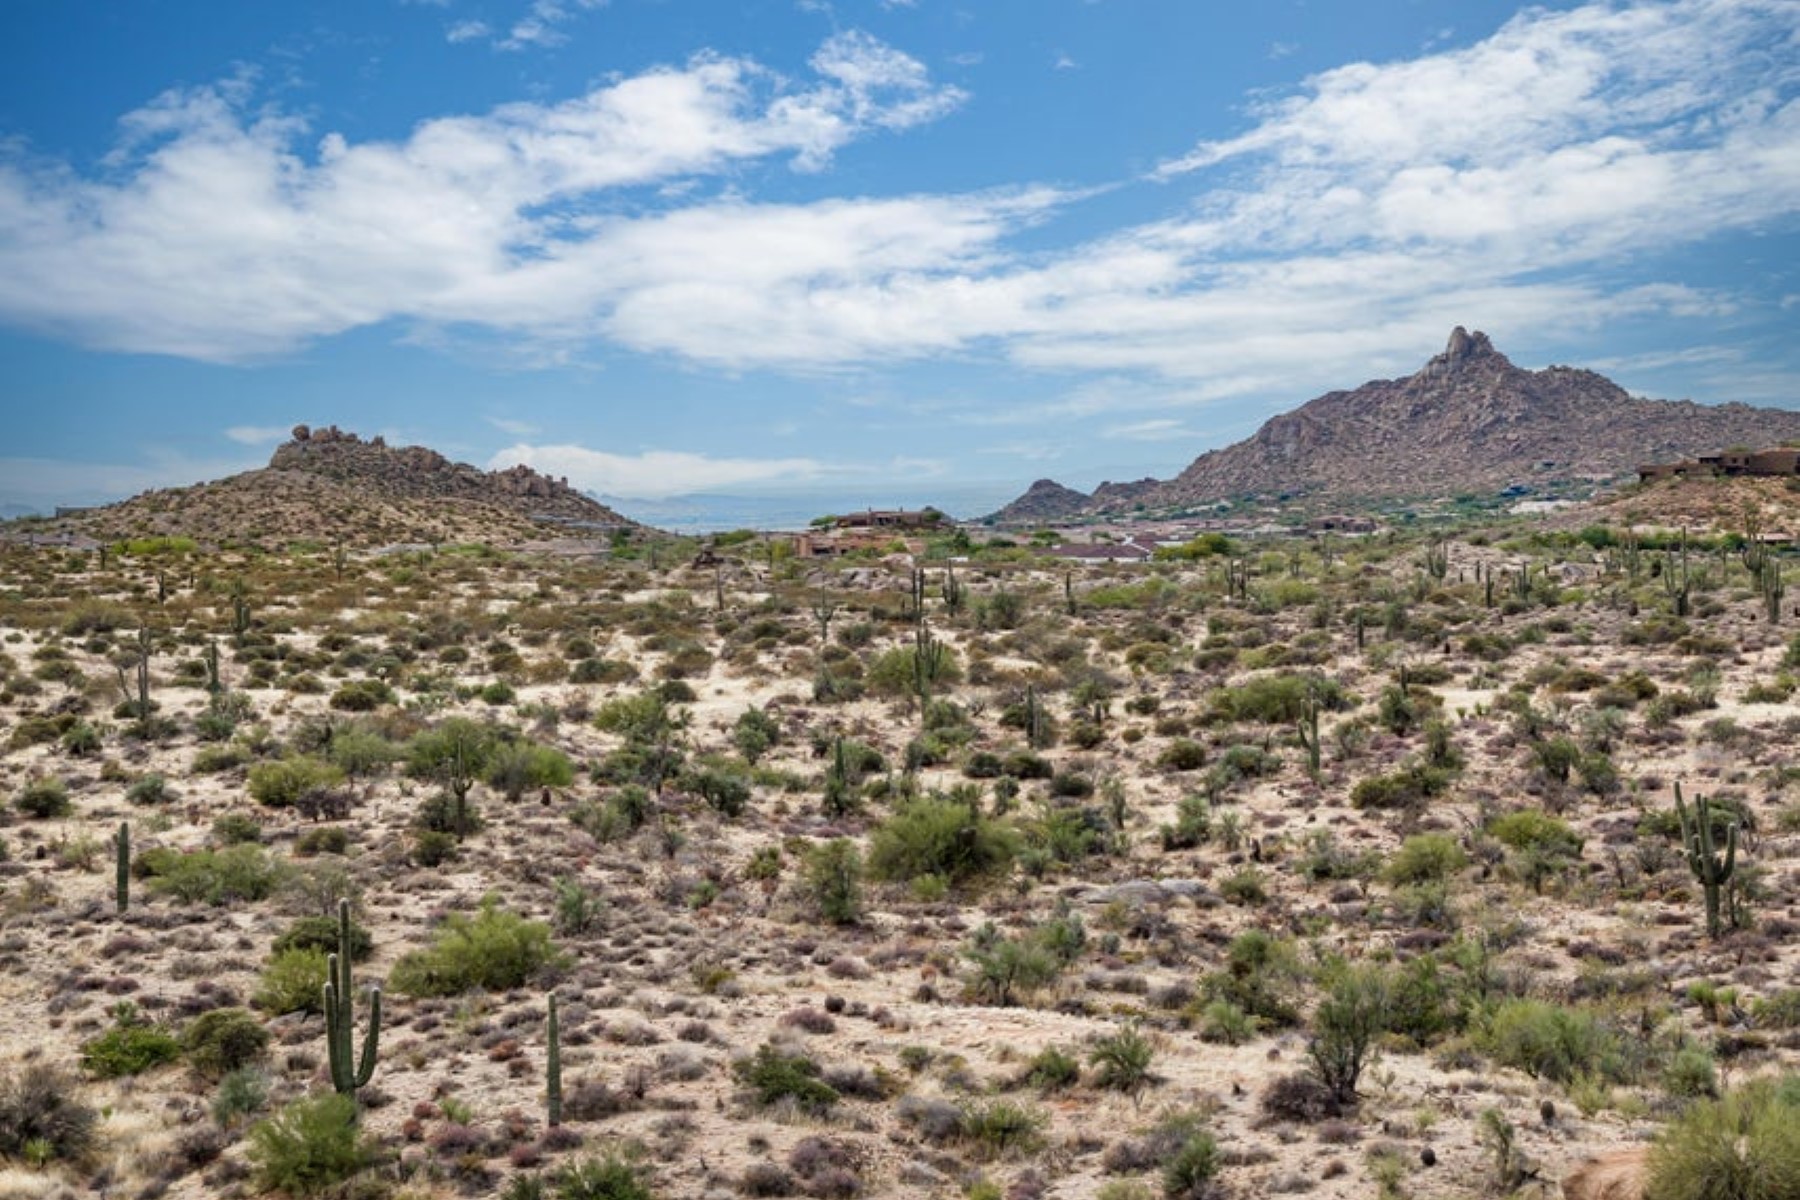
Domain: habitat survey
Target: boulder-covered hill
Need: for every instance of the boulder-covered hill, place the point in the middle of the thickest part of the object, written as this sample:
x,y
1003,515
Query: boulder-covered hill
x,y
1468,421
332,486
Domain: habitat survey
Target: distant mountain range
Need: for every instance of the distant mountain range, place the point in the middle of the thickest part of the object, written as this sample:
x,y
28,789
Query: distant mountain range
x,y
1469,421
327,485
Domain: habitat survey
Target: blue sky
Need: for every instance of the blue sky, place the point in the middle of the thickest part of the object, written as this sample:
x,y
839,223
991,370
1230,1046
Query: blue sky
x,y
872,250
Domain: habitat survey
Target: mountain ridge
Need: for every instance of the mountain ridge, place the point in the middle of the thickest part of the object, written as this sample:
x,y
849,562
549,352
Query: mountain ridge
x,y
1469,420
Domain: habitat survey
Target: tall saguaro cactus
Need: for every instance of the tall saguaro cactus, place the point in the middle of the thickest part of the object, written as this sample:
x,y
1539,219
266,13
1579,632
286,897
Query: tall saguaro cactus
x,y
122,867
347,1073
1711,869
553,1068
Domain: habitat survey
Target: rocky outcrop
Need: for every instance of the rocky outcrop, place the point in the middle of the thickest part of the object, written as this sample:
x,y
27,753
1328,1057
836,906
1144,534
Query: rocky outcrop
x,y
418,472
329,485
1044,503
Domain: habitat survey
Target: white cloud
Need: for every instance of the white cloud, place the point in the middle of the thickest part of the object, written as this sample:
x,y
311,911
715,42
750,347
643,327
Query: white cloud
x,y
258,435
1155,430
654,474
515,427
1510,184
542,25
216,234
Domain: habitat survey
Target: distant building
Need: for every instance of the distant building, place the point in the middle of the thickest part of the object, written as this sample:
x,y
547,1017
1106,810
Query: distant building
x,y
1767,463
1342,523
890,518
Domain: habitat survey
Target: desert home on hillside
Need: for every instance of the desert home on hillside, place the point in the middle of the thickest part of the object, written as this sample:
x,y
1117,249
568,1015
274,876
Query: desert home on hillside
x,y
1780,461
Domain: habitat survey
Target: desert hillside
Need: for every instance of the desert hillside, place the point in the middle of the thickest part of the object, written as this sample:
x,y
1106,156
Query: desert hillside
x,y
1341,868
330,486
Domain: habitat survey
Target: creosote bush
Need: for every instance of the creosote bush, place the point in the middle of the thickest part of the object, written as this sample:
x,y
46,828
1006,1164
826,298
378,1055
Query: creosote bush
x,y
495,950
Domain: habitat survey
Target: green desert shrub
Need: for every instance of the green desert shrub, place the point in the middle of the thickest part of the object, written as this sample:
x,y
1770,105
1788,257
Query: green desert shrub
x,y
1003,1126
1425,858
224,1040
293,980
609,1178
937,836
241,872
362,695
833,880
309,1147
494,949
773,1075
1534,829
281,784
1743,1146
44,799
1262,976
131,1047
321,934
519,767
1550,1041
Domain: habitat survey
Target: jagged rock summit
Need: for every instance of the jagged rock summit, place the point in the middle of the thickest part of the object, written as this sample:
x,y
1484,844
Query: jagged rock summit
x,y
329,485
1467,422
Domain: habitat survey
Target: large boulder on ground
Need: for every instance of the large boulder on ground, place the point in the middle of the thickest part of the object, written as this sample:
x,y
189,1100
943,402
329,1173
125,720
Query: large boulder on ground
x,y
1614,1175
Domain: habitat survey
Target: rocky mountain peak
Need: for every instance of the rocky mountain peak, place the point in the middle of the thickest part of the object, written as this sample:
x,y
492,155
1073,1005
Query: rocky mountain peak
x,y
1468,421
1463,349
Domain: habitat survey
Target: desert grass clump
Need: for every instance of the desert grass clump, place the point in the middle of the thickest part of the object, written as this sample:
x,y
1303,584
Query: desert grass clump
x,y
495,950
1121,1060
41,1116
1743,1146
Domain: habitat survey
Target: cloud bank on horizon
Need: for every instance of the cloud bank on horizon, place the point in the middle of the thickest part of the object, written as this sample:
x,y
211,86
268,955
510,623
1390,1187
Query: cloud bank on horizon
x,y
1570,171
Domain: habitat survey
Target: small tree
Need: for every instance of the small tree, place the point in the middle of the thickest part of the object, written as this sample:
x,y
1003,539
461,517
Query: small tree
x,y
834,872
1348,1020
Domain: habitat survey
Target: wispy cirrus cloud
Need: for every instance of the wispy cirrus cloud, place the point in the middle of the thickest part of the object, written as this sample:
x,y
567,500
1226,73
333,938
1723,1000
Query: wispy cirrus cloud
x,y
258,435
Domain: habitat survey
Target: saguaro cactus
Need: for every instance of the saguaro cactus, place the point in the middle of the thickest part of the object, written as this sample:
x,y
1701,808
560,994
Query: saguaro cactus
x,y
347,1073
1307,725
1712,869
122,867
553,1068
